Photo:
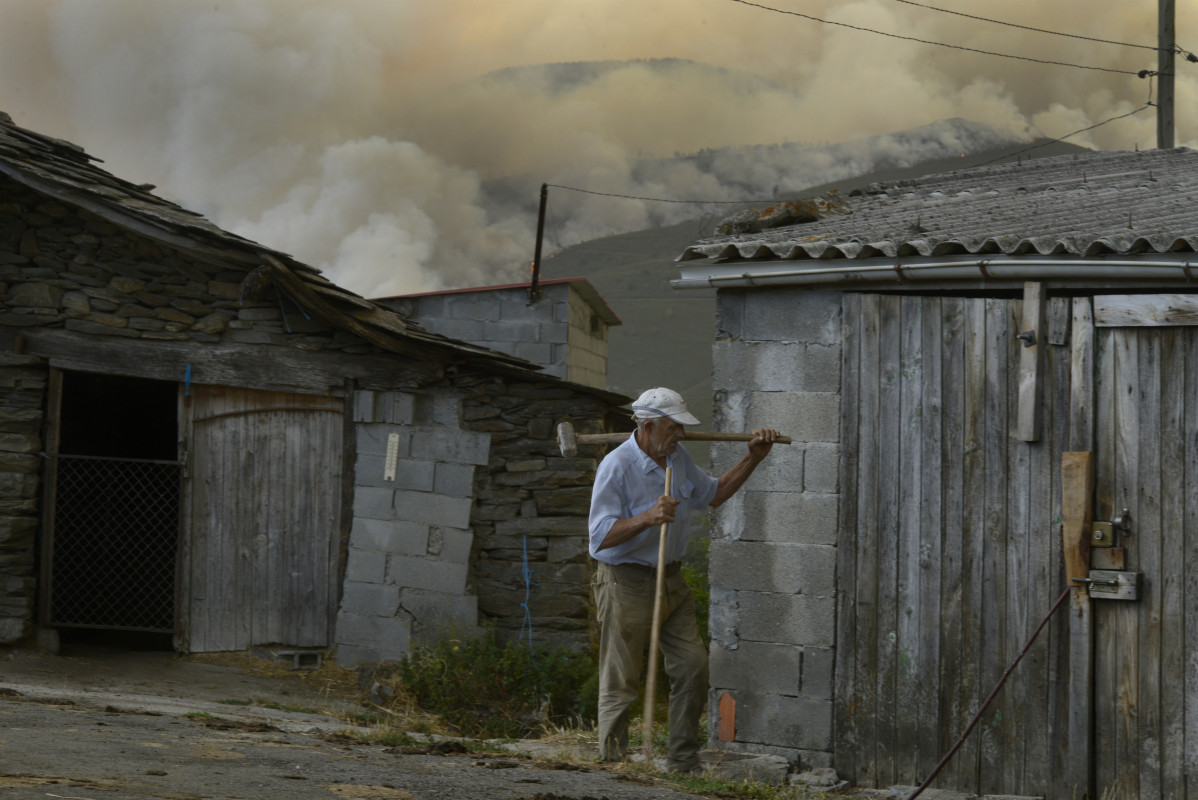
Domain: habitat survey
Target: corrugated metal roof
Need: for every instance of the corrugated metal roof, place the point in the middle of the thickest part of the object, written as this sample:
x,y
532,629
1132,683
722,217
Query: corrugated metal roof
x,y
1089,204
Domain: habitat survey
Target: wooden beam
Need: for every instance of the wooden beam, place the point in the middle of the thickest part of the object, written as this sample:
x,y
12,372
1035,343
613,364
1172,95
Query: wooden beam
x,y
1136,310
1077,502
1032,333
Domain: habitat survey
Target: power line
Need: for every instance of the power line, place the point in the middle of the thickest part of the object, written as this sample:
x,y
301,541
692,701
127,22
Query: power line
x,y
1066,136
938,44
1027,27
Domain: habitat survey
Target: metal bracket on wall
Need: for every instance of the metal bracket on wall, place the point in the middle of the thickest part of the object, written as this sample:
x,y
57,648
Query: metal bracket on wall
x,y
1107,534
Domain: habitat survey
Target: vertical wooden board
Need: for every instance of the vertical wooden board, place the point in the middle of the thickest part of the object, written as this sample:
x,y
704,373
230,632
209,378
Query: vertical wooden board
x,y
1118,636
1105,691
1189,559
1148,528
1014,702
953,712
995,602
846,694
866,648
910,477
1172,624
889,465
1082,358
970,688
927,663
1026,401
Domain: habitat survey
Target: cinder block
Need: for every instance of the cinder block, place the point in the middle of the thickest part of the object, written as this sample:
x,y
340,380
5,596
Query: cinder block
x,y
441,444
446,409
434,509
758,667
792,315
369,599
364,406
821,468
782,470
730,314
786,618
438,614
761,366
352,656
515,306
806,518
456,480
475,305
427,573
373,503
770,567
536,352
389,637
389,536
365,566
395,408
818,675
511,331
722,616
410,473
372,438
822,367
804,416
467,330
452,546
553,333
802,722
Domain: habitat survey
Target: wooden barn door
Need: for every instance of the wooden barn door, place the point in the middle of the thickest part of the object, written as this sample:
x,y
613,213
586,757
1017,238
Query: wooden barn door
x,y
262,500
1146,651
950,548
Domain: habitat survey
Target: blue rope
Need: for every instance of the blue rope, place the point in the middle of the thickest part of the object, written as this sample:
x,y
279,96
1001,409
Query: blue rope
x,y
526,572
187,381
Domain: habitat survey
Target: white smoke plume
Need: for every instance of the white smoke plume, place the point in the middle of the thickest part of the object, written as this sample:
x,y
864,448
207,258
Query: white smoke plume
x,y
398,144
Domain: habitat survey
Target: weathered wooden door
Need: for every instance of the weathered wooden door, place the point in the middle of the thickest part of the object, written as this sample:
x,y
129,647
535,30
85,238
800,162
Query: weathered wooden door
x,y
262,499
949,552
1145,713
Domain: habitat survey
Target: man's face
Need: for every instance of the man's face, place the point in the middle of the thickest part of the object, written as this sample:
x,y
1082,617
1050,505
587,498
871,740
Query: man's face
x,y
662,436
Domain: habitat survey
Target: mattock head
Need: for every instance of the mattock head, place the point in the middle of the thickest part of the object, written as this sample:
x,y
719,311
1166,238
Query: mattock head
x,y
566,440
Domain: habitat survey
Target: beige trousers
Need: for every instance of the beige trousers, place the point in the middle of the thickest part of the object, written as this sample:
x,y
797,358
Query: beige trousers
x,y
624,604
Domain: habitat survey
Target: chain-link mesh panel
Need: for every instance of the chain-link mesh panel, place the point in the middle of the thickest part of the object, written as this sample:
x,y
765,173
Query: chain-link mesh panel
x,y
116,524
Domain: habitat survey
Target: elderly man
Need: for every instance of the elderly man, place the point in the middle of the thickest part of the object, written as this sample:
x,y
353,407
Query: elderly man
x,y
628,507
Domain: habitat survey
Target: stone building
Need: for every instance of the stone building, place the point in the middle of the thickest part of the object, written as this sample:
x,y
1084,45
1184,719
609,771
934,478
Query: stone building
x,y
203,438
991,376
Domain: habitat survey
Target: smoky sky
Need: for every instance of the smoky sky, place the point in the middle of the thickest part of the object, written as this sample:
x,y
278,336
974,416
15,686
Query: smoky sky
x,y
398,144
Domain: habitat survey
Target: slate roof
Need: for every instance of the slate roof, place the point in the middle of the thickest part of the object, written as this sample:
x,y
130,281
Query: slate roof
x,y
1089,204
64,171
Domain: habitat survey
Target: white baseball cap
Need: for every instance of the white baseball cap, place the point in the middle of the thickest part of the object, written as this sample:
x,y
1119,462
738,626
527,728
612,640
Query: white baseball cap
x,y
662,402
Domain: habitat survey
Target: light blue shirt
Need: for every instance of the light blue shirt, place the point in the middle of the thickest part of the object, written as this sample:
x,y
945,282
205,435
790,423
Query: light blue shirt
x,y
627,483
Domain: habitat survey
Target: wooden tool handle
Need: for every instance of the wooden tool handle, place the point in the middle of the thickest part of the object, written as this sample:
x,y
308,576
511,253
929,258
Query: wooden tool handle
x,y
655,634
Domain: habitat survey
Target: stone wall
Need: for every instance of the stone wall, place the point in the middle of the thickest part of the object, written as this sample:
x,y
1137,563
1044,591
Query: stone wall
x,y
773,552
531,511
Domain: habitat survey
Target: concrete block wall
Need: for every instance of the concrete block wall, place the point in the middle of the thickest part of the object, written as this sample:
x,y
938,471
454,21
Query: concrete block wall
x,y
777,363
586,354
407,574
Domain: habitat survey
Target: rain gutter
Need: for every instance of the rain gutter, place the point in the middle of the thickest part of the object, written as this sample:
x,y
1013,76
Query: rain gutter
x,y
1156,267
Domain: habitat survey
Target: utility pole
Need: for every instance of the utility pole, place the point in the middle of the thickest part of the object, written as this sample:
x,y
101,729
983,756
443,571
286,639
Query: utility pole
x,y
1164,73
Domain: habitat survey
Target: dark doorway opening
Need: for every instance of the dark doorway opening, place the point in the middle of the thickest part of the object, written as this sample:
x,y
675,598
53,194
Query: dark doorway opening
x,y
112,547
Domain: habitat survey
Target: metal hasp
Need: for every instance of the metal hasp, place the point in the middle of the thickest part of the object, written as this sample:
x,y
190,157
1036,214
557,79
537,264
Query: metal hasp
x,y
1108,534
1105,584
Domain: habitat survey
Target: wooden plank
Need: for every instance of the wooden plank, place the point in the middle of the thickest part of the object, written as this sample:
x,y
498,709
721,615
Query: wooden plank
x,y
186,533
1188,555
995,599
1173,437
1138,310
909,446
1077,487
1081,394
1028,412
973,568
1105,692
846,697
867,596
49,498
889,479
954,712
1146,513
1059,311
927,710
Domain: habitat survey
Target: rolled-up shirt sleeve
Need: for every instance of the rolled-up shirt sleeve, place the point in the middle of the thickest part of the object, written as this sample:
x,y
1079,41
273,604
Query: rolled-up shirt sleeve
x,y
607,503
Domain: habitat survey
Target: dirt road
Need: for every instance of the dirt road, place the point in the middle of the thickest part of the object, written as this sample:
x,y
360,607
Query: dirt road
x,y
133,727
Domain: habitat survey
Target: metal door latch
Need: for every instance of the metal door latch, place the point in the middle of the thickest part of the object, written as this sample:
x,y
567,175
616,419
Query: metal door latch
x,y
1107,534
1105,584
